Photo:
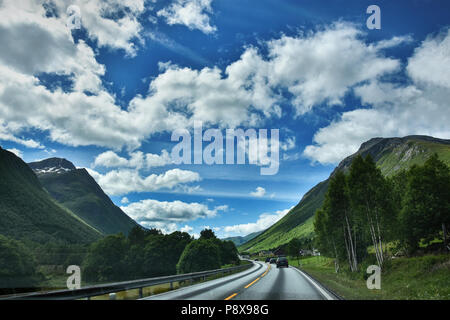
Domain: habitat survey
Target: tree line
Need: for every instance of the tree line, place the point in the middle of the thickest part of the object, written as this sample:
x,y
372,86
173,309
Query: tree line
x,y
148,253
143,253
365,210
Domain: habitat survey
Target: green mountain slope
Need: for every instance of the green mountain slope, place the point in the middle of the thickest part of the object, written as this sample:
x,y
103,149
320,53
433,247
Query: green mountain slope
x,y
391,156
241,240
79,192
28,212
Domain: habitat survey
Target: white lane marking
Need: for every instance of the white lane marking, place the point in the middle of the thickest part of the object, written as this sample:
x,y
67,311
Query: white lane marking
x,y
323,292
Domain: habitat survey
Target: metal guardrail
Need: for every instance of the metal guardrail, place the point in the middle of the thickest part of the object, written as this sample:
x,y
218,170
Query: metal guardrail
x,y
98,290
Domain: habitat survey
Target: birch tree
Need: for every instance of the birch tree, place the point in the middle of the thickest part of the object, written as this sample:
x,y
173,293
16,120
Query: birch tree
x,y
370,201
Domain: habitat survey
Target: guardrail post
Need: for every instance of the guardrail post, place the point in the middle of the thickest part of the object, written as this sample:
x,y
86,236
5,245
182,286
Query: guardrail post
x,y
141,294
171,285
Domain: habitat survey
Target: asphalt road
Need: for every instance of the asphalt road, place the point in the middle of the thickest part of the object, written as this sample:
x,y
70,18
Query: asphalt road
x,y
261,282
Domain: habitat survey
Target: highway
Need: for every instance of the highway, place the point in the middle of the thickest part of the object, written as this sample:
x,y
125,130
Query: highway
x,y
262,281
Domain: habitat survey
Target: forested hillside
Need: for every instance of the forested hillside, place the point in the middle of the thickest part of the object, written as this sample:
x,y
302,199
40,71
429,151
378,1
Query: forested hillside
x,y
391,155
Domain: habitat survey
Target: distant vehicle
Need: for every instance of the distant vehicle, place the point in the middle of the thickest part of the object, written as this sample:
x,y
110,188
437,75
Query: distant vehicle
x,y
273,260
282,262
267,259
256,259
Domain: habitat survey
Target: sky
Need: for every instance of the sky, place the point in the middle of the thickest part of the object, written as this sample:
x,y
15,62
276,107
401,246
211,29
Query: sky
x,y
105,84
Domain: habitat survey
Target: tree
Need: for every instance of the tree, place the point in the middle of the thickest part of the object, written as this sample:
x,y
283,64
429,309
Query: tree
x,y
293,247
369,201
17,267
426,208
199,255
340,219
228,253
105,261
207,234
175,243
326,236
137,235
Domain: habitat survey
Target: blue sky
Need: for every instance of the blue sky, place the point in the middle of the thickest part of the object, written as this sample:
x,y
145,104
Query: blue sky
x,y
108,96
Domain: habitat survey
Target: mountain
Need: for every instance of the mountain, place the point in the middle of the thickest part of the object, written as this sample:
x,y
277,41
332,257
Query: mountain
x,y
51,165
28,212
390,154
78,191
239,240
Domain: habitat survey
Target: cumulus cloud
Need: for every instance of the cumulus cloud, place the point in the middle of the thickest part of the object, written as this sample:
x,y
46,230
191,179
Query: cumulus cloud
x,y
430,63
194,14
420,107
111,23
137,160
259,192
316,67
165,215
323,66
124,181
264,221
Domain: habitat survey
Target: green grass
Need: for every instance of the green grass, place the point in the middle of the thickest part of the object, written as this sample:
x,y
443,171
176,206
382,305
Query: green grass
x,y
410,153
425,278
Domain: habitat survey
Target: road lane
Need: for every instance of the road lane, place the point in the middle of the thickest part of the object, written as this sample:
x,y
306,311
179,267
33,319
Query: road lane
x,y
281,284
218,289
260,282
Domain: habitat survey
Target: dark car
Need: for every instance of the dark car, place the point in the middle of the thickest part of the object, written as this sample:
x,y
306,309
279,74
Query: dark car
x,y
273,260
282,262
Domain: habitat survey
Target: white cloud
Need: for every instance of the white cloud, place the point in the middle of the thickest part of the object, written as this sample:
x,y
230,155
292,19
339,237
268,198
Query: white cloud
x,y
9,134
259,192
317,67
137,160
397,110
124,181
323,66
164,227
115,33
17,152
264,221
430,63
393,42
154,211
288,144
187,229
194,14
124,200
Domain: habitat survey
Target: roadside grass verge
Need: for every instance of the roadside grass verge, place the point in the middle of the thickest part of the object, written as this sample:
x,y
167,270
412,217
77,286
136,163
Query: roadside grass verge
x,y
416,278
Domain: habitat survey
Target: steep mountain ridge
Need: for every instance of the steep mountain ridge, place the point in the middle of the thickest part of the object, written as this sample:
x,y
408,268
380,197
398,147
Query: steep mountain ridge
x,y
78,191
391,156
28,212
